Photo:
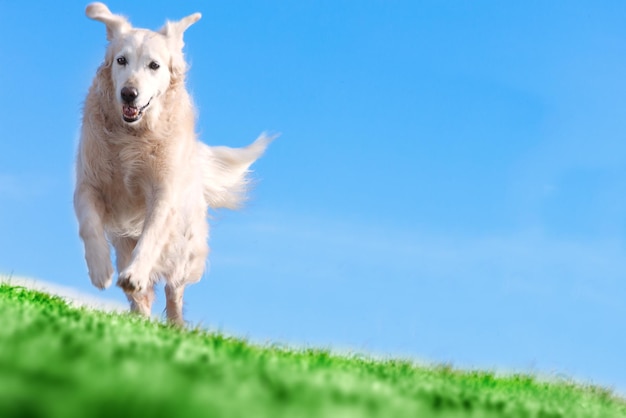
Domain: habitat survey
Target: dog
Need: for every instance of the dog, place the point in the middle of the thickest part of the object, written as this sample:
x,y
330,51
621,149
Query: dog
x,y
144,182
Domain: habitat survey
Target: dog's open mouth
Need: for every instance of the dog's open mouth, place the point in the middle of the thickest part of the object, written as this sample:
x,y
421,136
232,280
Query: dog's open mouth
x,y
133,113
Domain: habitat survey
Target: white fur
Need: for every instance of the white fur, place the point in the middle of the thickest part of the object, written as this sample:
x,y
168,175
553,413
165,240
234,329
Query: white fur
x,y
144,183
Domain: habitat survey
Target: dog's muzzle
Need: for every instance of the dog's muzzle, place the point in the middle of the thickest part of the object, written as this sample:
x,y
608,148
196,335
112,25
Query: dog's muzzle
x,y
133,113
130,111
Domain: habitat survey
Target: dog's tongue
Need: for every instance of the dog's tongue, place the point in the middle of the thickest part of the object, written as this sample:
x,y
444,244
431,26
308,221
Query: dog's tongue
x,y
130,111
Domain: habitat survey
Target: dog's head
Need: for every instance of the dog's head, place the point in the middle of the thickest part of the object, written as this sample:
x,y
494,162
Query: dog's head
x,y
143,63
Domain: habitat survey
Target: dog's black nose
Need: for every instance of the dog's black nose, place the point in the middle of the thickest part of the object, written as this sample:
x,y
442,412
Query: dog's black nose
x,y
129,94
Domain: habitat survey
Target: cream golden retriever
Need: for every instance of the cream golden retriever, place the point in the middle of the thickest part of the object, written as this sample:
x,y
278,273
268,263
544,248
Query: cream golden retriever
x,y
144,183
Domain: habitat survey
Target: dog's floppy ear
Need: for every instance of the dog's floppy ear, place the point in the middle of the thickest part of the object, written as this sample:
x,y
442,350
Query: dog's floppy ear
x,y
174,30
116,24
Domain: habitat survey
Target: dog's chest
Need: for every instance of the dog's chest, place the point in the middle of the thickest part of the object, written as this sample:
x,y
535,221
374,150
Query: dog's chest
x,y
135,162
132,177
125,206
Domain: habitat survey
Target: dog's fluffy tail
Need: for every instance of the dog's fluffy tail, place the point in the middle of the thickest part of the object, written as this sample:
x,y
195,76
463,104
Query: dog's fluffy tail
x,y
226,170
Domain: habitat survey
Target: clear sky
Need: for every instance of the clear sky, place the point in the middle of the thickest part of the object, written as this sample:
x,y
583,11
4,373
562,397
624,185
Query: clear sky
x,y
449,186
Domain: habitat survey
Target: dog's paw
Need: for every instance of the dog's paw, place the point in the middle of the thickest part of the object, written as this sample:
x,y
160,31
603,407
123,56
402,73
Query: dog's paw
x,y
130,281
101,273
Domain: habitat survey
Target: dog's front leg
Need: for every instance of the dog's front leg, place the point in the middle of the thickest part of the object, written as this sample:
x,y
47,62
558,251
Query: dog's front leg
x,y
156,232
89,209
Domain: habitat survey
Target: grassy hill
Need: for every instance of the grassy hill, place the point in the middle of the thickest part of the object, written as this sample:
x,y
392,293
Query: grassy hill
x,y
60,361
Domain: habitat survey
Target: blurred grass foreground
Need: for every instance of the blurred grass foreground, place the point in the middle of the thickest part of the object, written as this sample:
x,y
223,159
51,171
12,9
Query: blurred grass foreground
x,y
62,361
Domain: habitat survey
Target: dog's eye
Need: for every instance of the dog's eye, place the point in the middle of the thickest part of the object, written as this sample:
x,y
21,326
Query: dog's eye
x,y
154,65
122,61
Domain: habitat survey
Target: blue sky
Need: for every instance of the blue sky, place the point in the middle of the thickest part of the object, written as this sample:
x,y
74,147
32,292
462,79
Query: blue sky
x,y
449,185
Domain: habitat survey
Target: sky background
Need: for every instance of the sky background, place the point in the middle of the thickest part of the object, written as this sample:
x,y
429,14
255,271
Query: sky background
x,y
449,186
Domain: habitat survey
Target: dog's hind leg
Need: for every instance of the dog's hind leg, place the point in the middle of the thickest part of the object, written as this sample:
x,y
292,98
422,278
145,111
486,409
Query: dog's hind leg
x,y
174,303
189,266
141,302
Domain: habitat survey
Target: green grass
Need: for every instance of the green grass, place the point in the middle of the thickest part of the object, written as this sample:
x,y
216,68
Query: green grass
x,y
59,361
